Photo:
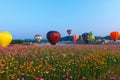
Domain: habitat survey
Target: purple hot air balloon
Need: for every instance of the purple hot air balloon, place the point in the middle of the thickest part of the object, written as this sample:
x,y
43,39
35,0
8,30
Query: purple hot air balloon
x,y
69,31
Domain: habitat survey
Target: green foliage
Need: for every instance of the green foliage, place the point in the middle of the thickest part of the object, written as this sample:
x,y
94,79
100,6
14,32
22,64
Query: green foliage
x,y
19,41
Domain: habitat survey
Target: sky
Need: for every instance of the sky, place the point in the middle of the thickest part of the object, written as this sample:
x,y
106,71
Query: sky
x,y
25,18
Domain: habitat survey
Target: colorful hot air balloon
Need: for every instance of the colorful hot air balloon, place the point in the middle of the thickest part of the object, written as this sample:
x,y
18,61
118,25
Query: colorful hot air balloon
x,y
53,37
92,35
114,35
69,31
86,37
75,37
38,38
119,33
5,38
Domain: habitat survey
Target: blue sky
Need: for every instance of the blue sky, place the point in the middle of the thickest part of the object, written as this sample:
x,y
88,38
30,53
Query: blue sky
x,y
25,18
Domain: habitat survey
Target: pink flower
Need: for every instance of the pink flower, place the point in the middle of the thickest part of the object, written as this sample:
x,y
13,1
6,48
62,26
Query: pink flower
x,y
2,71
113,78
66,79
31,63
71,77
119,78
41,78
18,78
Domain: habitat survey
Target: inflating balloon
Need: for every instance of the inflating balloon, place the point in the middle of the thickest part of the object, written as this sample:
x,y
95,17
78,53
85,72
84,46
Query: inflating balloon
x,y
5,38
53,37
69,31
75,37
114,35
38,38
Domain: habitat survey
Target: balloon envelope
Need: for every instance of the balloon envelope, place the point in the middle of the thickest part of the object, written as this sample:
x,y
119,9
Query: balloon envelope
x,y
92,36
114,35
75,38
38,38
86,37
53,37
5,38
69,31
119,33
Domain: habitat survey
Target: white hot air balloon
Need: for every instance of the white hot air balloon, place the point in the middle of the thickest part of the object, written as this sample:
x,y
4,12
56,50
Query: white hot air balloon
x,y
38,38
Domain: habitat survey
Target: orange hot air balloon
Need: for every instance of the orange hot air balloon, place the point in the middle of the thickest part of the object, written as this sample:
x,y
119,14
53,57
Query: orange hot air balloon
x,y
75,37
69,31
114,35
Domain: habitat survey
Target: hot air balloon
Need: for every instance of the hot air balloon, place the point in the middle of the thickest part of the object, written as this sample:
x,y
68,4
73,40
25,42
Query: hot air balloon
x,y
69,31
119,33
38,38
5,38
53,37
75,37
92,36
114,35
86,37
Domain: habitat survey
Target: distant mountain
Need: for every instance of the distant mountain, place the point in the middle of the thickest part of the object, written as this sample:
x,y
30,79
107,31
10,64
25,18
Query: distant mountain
x,y
67,38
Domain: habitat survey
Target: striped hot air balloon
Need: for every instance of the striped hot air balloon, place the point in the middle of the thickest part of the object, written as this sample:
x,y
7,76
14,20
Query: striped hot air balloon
x,y
75,37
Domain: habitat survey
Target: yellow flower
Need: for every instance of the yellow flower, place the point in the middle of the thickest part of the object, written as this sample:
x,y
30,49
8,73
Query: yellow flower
x,y
46,71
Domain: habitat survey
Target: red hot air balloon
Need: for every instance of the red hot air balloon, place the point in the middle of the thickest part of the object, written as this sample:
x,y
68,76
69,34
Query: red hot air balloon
x,y
38,38
69,31
75,38
53,37
114,35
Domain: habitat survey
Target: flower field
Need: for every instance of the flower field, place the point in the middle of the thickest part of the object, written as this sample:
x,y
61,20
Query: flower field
x,y
67,62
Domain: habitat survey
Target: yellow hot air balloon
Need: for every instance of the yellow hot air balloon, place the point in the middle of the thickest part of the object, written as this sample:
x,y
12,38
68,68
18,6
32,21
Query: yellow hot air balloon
x,y
5,38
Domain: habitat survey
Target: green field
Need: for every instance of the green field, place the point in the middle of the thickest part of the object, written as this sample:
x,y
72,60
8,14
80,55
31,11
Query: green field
x,y
66,62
